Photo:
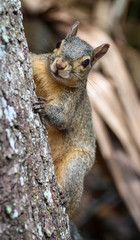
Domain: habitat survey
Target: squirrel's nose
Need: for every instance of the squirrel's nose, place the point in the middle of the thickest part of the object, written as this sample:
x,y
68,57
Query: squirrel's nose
x,y
60,65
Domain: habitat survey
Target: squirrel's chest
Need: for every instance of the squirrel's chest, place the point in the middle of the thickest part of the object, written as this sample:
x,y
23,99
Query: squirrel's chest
x,y
47,87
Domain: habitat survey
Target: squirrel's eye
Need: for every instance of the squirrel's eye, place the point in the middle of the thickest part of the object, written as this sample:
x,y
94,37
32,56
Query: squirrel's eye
x,y
85,63
58,44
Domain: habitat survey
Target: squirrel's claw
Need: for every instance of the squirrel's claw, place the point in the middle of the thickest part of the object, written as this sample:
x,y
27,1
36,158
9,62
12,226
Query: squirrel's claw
x,y
63,197
40,105
42,99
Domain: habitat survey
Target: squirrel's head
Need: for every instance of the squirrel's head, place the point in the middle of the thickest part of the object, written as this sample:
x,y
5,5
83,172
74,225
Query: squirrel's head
x,y
73,58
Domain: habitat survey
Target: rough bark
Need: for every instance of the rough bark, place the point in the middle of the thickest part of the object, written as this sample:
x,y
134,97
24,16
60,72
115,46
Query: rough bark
x,y
29,201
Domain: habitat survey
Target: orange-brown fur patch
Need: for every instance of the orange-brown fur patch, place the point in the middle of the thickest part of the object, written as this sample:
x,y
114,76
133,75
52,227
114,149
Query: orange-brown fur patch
x,y
46,86
62,166
57,143
65,165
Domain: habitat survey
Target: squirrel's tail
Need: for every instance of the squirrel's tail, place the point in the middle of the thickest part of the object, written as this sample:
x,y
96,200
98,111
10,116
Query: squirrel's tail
x,y
74,232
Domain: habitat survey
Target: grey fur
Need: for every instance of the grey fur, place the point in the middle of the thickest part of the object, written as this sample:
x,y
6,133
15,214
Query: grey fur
x,y
76,48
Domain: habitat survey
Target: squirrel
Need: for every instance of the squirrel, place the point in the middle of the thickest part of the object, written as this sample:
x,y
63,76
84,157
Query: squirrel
x,y
60,78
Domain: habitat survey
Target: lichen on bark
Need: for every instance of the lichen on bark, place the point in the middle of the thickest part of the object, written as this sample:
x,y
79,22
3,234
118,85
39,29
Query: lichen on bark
x,y
29,199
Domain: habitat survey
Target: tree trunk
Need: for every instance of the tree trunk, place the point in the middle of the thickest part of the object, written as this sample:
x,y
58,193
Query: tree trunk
x,y
29,201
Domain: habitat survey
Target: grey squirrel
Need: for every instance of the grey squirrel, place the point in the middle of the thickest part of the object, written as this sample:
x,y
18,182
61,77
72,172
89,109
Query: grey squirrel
x,y
60,78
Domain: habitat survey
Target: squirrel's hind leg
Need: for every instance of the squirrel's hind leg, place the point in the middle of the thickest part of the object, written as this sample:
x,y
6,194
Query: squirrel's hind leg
x,y
71,172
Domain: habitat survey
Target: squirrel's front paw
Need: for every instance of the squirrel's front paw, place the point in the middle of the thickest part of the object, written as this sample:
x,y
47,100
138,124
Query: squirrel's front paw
x,y
40,105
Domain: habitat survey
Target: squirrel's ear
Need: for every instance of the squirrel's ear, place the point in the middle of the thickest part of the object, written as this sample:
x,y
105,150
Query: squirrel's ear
x,y
100,52
73,30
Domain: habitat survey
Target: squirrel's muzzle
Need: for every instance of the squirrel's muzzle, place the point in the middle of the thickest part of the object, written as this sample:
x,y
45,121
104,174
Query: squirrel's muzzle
x,y
61,68
61,65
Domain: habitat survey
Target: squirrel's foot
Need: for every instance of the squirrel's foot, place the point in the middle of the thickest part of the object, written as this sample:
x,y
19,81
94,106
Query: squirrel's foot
x,y
40,105
63,198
